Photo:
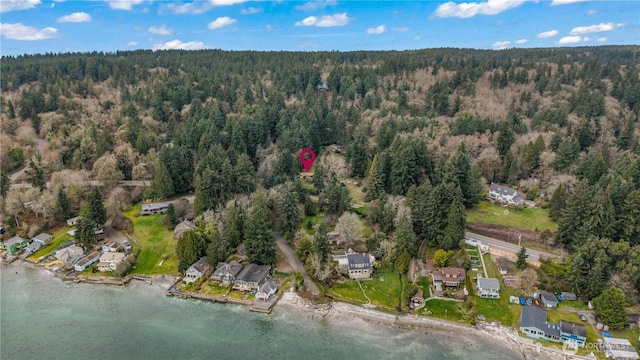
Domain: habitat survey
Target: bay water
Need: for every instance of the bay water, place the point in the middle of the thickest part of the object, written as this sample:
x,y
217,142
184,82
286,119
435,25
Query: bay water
x,y
42,317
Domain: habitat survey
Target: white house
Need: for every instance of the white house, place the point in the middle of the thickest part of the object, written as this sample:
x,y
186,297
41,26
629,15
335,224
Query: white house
x,y
266,290
73,221
110,246
154,208
341,258
68,253
86,261
488,288
360,265
619,349
195,271
109,261
504,194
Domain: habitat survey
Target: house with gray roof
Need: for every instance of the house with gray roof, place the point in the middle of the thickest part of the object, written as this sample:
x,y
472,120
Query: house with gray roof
x,y
360,265
572,334
86,261
225,274
33,247
548,299
154,208
504,194
14,244
533,323
568,296
252,277
195,271
488,288
43,238
266,290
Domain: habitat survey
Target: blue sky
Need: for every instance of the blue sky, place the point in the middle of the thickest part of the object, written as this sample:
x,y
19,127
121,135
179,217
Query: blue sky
x,y
38,26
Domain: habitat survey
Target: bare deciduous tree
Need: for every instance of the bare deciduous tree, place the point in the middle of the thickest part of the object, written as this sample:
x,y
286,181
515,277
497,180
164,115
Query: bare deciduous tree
x,y
350,228
528,279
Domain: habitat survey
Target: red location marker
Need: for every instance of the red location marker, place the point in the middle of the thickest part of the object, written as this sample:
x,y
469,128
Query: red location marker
x,y
307,163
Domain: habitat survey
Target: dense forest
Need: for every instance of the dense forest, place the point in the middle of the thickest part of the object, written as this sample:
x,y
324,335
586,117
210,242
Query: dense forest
x,y
423,131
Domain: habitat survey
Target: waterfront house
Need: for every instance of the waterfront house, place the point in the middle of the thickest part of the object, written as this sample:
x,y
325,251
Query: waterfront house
x,y
488,288
449,276
505,195
548,299
226,274
86,261
266,290
182,228
69,252
360,265
195,271
154,208
341,258
33,247
109,261
14,244
572,334
533,323
252,277
73,221
619,349
417,300
333,237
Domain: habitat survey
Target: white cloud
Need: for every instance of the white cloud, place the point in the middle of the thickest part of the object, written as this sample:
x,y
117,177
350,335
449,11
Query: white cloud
x,y
315,5
76,17
187,8
565,2
376,30
268,27
251,10
132,43
522,41
27,33
581,30
601,39
591,12
548,34
417,37
11,5
571,40
402,28
162,30
123,4
501,44
225,2
470,9
220,22
177,44
325,21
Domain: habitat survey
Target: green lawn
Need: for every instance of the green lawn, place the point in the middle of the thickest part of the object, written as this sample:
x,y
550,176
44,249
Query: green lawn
x,y
384,289
59,236
496,309
577,304
154,241
423,283
442,309
213,289
528,218
357,196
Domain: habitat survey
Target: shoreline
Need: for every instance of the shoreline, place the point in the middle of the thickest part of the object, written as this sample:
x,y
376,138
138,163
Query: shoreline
x,y
496,335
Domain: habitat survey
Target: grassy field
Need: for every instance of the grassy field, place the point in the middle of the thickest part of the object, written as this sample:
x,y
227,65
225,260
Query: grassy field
x,y
384,289
496,309
529,218
154,242
213,289
357,196
423,283
59,236
442,309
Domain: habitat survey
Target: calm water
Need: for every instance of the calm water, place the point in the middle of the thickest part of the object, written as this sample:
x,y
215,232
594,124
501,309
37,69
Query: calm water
x,y
44,318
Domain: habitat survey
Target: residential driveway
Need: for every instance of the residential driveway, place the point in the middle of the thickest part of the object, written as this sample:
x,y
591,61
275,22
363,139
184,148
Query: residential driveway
x,y
112,234
296,264
507,247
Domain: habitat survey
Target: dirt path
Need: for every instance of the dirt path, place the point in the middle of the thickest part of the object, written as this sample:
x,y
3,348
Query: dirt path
x,y
296,264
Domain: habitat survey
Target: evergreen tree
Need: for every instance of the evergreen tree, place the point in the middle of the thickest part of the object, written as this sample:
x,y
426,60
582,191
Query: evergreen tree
x,y
96,210
321,243
505,138
162,183
259,242
289,210
402,263
218,249
557,203
191,246
339,199
459,172
405,238
319,178
522,258
375,181
456,225
601,215
64,206
244,175
573,216
35,172
610,308
85,230
233,229
171,217
358,153
5,184
630,218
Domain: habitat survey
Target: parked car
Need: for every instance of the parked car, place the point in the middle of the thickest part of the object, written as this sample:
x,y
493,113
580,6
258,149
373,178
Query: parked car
x,y
582,317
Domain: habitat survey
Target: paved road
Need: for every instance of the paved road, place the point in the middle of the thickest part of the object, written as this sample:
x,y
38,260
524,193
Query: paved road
x,y
296,264
534,255
90,183
40,146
